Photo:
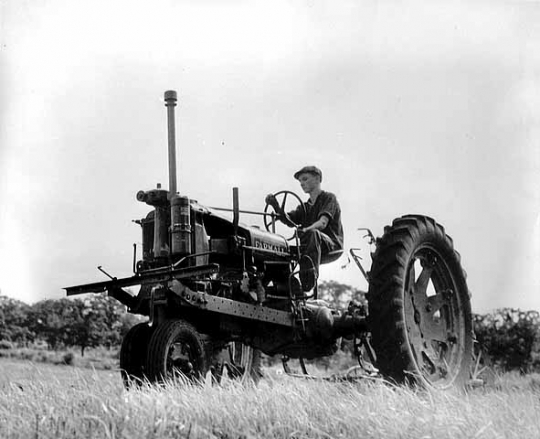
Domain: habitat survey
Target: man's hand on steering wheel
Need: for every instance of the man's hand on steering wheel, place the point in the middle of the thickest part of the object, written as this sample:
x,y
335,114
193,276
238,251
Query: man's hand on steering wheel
x,y
276,209
281,214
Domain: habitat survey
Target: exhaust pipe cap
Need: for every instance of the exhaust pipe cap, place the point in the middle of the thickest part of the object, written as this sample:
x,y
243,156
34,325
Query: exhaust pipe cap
x,y
170,95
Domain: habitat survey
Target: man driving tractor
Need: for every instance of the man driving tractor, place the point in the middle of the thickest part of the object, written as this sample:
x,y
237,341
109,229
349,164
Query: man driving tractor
x,y
321,231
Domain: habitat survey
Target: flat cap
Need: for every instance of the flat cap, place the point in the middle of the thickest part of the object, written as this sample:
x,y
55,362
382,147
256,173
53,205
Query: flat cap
x,y
310,169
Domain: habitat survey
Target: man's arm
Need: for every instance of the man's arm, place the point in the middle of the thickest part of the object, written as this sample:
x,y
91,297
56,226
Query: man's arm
x,y
320,224
327,211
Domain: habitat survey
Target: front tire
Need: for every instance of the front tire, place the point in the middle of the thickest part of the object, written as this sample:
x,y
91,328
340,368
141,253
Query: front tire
x,y
419,305
133,354
176,350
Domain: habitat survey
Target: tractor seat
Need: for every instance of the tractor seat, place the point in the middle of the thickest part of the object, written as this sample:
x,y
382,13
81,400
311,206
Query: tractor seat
x,y
331,257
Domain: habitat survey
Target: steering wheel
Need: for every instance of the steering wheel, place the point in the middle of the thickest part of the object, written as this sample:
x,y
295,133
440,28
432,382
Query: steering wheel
x,y
279,208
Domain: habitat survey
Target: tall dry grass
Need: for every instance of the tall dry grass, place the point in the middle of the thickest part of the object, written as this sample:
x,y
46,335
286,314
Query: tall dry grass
x,y
45,401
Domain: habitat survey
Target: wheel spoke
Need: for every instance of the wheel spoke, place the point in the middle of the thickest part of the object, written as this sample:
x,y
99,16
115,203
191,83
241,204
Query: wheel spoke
x,y
434,364
413,329
436,302
284,201
429,364
412,278
420,287
415,339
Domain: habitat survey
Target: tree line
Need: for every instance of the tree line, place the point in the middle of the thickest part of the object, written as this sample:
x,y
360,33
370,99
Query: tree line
x,y
91,321
507,338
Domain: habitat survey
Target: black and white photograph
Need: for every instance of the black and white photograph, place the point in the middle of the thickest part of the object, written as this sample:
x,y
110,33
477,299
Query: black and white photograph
x,y
289,219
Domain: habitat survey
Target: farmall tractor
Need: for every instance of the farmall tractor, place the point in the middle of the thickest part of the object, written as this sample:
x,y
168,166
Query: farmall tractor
x,y
218,292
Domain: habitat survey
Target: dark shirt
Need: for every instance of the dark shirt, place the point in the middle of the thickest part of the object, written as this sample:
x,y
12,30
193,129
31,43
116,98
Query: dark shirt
x,y
326,204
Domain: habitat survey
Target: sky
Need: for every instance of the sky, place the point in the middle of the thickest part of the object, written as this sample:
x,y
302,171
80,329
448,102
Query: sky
x,y
407,107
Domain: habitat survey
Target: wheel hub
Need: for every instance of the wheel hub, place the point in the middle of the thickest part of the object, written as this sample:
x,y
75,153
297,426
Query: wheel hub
x,y
429,318
180,360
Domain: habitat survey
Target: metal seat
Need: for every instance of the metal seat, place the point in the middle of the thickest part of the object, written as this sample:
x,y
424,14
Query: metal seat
x,y
331,256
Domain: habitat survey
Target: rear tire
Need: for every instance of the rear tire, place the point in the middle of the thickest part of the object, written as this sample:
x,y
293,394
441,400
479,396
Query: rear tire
x,y
133,354
176,351
419,305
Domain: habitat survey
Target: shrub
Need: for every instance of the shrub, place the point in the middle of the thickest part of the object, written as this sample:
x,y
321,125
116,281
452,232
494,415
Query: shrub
x,y
26,354
43,356
6,345
510,337
5,354
68,358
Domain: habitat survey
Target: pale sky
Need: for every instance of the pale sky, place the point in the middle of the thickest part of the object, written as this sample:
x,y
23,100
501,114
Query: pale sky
x,y
408,107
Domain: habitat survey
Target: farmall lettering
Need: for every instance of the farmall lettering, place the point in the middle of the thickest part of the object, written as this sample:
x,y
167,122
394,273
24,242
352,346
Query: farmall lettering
x,y
267,246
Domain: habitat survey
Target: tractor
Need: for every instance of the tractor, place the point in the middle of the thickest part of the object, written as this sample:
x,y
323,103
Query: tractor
x,y
217,293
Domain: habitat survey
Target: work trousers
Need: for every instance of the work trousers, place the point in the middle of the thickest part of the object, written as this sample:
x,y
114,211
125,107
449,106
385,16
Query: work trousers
x,y
315,244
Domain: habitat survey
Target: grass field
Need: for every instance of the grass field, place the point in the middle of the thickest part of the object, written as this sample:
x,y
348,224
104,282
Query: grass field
x,y
48,401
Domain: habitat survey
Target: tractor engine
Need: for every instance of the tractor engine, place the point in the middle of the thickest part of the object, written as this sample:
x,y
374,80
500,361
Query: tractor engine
x,y
166,231
180,232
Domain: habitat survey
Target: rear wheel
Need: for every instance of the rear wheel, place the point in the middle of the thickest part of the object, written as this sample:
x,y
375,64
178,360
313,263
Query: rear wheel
x,y
176,350
419,305
133,354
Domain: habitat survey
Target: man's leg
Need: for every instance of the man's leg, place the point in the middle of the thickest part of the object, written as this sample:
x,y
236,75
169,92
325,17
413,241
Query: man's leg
x,y
313,244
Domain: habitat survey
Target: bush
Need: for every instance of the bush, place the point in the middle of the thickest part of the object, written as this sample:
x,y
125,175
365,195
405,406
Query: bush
x,y
6,345
511,338
26,354
44,356
68,358
5,354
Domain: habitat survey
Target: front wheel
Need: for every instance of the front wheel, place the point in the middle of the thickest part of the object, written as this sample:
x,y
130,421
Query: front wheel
x,y
133,354
419,305
176,350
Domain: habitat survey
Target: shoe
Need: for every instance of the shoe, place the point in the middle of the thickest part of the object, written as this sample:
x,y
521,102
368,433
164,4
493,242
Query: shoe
x,y
308,273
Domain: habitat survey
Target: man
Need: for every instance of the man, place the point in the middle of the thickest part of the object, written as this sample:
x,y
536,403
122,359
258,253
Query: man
x,y
321,231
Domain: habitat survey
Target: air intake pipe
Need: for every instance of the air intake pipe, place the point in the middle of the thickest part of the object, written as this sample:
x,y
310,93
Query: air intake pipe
x,y
180,230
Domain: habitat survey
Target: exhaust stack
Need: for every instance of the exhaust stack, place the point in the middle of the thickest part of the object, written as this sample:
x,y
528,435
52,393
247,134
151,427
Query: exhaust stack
x,y
170,103
180,208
